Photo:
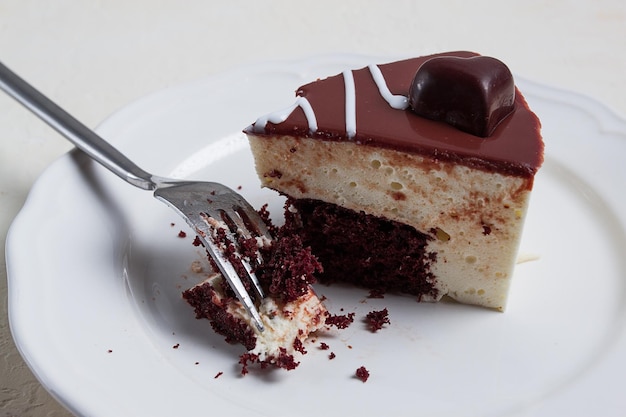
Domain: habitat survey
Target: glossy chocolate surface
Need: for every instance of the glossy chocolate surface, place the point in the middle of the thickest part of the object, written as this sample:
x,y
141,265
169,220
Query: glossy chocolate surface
x,y
472,94
515,147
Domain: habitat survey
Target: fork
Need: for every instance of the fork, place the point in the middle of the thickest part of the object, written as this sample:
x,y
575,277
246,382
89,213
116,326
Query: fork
x,y
205,206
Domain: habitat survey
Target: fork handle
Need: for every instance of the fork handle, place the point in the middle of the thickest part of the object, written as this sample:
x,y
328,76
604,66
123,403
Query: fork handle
x,y
80,135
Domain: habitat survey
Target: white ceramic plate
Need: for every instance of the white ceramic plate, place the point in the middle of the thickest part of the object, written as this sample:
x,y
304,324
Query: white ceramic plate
x,y
96,270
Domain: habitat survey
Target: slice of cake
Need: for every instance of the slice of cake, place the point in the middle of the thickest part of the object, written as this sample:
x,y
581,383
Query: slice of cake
x,y
412,176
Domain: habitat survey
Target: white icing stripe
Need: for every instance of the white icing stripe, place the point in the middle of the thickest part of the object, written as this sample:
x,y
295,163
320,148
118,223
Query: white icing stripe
x,y
281,115
308,113
398,102
348,80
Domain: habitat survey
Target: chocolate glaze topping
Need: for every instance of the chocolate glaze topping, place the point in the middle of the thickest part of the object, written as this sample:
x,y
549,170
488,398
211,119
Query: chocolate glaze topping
x,y
515,147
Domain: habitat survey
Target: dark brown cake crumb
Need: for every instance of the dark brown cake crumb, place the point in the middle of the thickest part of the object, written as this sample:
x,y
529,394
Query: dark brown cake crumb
x,y
244,359
182,234
284,360
297,345
250,358
376,319
362,374
219,374
176,346
331,355
340,321
324,346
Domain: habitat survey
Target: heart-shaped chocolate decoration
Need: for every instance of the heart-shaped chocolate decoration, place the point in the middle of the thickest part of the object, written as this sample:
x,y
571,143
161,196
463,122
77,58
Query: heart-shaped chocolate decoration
x,y
472,94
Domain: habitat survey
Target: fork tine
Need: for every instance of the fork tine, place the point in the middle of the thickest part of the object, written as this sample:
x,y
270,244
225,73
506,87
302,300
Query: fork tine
x,y
253,278
241,220
237,226
209,207
228,270
233,279
249,217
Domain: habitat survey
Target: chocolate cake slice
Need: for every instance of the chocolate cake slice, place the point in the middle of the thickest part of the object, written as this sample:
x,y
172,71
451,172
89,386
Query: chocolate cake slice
x,y
412,176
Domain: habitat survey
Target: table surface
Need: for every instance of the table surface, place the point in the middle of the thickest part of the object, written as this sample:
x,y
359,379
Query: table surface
x,y
94,57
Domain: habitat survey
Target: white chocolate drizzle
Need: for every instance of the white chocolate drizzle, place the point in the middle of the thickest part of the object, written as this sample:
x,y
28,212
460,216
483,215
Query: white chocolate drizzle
x,y
348,80
396,101
280,116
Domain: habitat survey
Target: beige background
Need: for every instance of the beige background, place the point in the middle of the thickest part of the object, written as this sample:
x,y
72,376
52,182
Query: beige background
x,y
93,57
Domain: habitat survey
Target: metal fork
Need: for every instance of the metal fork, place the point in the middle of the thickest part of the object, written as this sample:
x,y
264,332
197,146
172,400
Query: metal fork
x,y
203,205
